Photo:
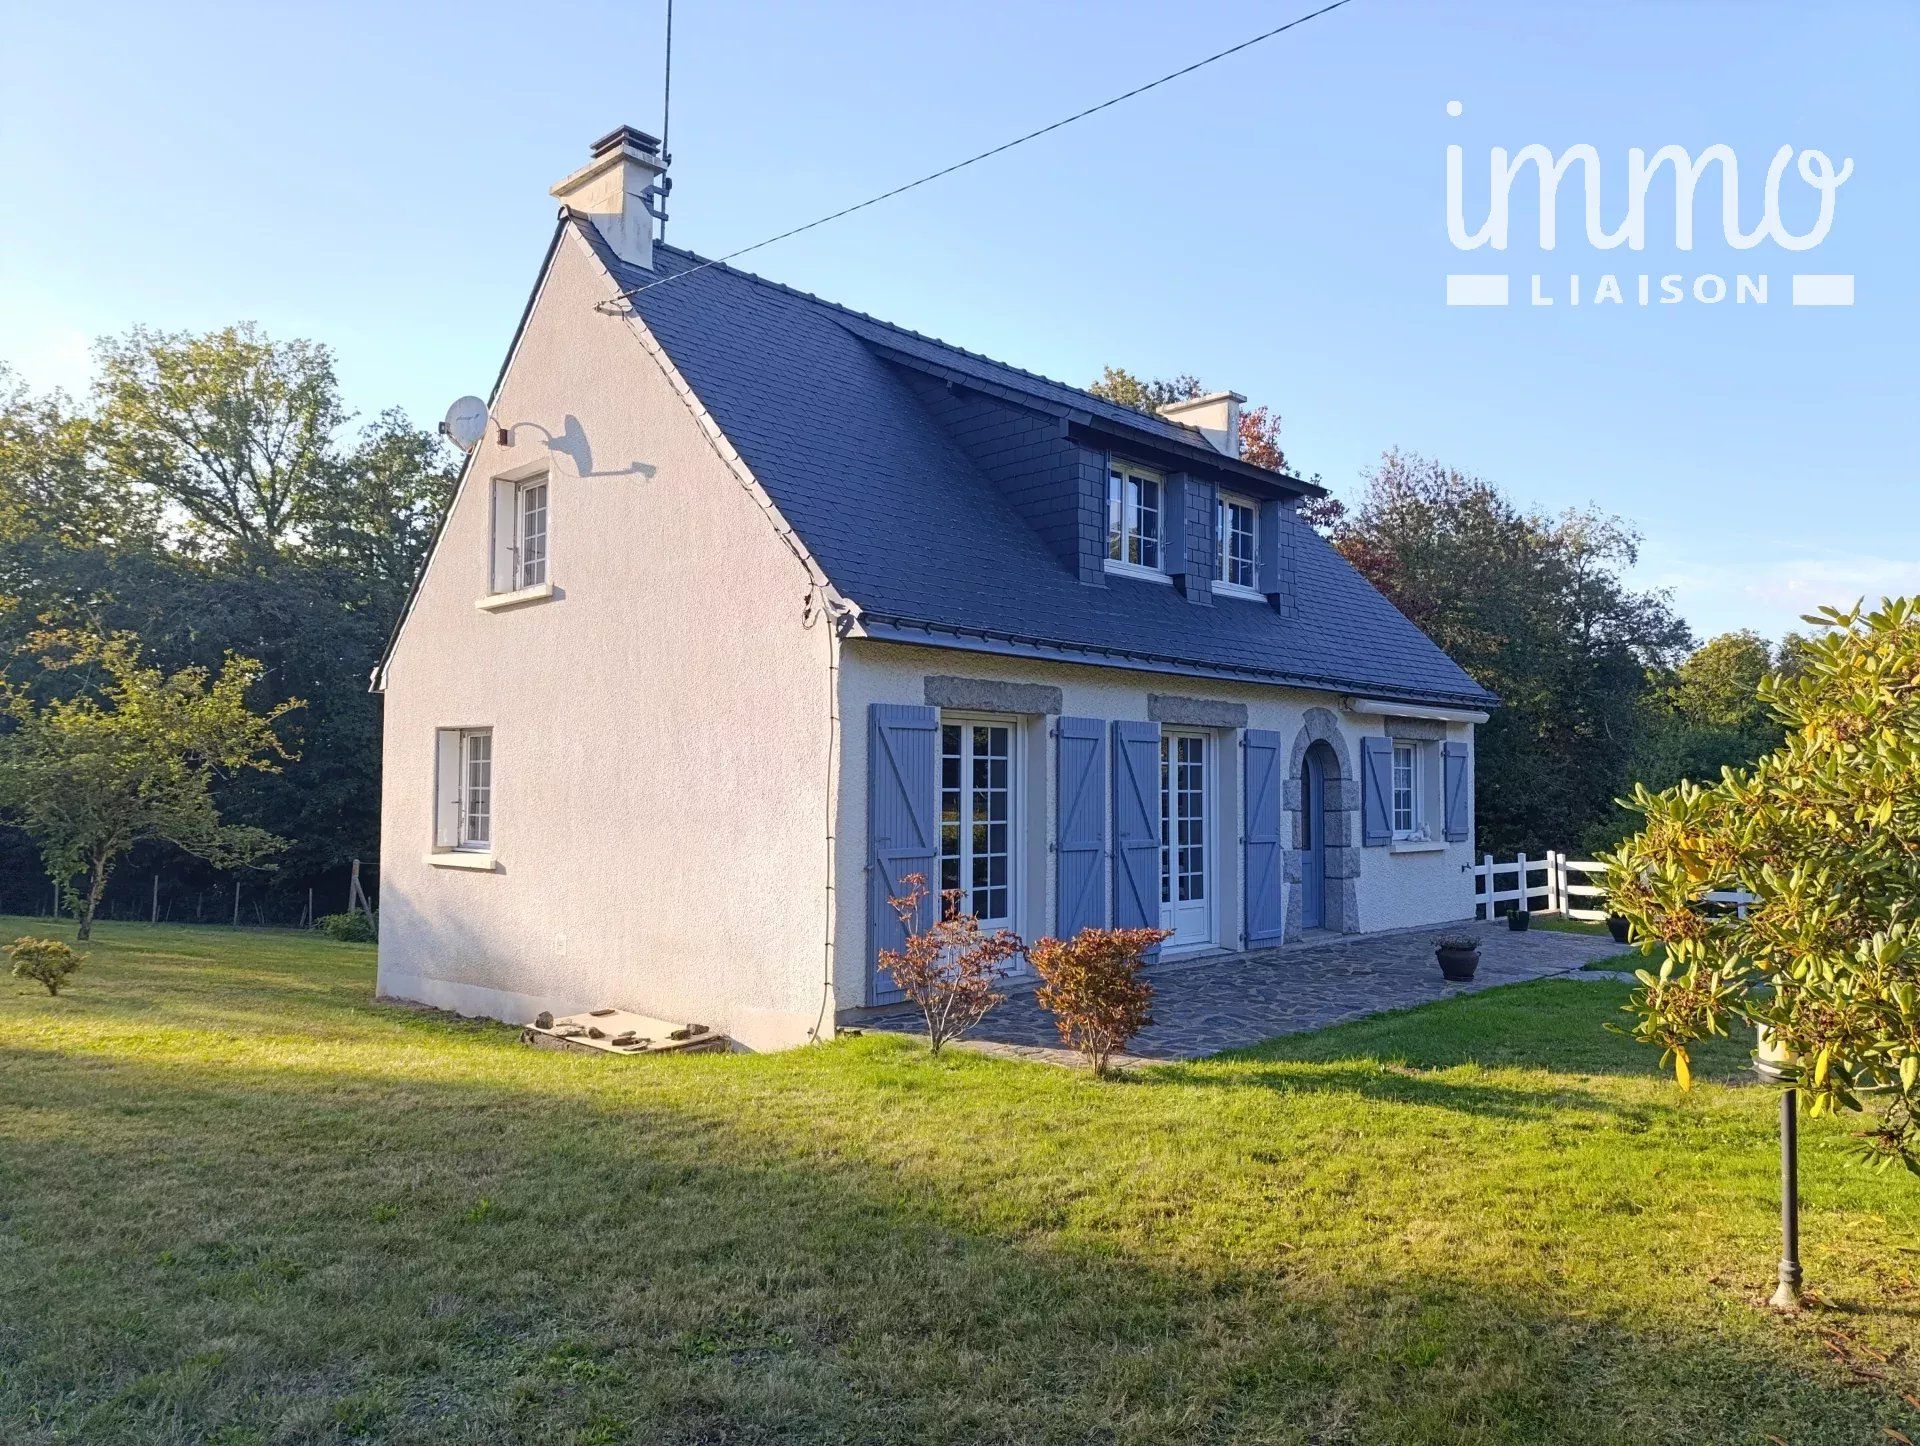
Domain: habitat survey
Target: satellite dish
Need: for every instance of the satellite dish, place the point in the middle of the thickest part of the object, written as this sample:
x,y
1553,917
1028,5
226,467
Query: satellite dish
x,y
466,423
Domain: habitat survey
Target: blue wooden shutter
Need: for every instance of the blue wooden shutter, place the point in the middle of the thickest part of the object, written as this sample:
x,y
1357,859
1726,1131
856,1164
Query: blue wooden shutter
x,y
1376,791
1459,799
903,752
1080,846
1136,825
1264,849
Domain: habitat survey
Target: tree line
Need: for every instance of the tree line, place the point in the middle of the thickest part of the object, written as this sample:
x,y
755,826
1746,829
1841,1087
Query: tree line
x,y
211,506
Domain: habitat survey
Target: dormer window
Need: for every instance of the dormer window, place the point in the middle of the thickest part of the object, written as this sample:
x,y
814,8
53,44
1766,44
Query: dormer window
x,y
1237,530
1134,521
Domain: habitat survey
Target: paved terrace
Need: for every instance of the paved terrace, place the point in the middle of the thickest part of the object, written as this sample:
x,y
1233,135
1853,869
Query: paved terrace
x,y
1216,1002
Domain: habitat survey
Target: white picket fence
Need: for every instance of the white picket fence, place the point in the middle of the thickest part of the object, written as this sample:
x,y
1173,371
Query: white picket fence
x,y
1557,884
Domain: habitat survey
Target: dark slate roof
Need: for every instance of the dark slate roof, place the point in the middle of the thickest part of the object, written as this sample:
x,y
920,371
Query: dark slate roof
x,y
909,529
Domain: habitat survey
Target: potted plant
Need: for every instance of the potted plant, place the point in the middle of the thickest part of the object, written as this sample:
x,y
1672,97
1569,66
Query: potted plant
x,y
1459,956
1618,927
1518,921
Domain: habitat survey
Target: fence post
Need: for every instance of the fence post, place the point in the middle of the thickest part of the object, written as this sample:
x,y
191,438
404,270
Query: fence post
x,y
156,901
236,903
1486,866
1525,902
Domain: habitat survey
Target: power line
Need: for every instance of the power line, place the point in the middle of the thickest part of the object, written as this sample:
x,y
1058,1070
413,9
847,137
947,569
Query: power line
x,y
1004,146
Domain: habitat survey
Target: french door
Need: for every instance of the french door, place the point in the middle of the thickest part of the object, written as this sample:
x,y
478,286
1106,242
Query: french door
x,y
979,782
1186,838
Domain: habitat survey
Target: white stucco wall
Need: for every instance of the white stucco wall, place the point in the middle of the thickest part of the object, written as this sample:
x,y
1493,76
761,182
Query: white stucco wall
x,y
660,726
1395,888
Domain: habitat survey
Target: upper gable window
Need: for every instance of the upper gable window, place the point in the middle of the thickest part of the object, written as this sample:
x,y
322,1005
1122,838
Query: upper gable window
x,y
520,571
530,532
1134,519
1237,528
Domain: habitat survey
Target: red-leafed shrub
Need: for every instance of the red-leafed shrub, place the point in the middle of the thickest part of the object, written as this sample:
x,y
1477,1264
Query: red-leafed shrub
x,y
950,968
1091,985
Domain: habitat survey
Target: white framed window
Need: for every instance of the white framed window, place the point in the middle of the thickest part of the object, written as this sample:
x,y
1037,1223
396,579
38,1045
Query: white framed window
x,y
979,802
530,532
1135,522
463,802
1237,530
522,539
1409,803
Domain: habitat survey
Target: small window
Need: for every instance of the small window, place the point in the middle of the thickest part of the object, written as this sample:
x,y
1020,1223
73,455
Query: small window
x,y
1407,791
1237,526
1133,518
522,533
530,533
463,812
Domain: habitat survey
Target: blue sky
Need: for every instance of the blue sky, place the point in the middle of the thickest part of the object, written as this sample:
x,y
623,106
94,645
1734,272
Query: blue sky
x,y
375,177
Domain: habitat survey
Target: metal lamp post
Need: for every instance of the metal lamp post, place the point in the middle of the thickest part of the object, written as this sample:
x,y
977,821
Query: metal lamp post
x,y
1773,1062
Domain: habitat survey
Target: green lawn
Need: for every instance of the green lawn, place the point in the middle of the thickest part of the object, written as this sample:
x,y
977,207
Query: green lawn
x,y
240,1203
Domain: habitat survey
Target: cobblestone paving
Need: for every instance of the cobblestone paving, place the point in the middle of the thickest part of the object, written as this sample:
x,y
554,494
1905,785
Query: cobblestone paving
x,y
1228,1001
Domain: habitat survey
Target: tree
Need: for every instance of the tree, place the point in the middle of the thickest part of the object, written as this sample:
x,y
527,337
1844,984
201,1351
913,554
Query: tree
x,y
234,429
949,969
1825,831
1091,985
130,757
1535,609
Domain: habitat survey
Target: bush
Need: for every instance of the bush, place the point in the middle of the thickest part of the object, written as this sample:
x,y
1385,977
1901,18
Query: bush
x,y
1091,985
353,928
1825,833
47,960
950,969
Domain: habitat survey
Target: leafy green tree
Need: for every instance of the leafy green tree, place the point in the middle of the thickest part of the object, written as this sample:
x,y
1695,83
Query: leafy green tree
x,y
1535,608
1825,831
130,757
232,428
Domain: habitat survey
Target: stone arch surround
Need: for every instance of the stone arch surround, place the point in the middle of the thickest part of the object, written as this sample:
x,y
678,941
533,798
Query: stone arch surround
x,y
1342,824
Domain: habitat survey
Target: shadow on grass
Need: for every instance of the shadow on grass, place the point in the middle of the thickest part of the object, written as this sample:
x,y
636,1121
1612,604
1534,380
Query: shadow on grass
x,y
544,1248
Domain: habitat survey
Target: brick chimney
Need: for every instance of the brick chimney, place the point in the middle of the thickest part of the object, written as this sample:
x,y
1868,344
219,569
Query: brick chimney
x,y
621,188
1217,418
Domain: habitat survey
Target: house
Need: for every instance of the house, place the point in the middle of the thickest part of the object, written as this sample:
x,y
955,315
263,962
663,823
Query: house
x,y
749,607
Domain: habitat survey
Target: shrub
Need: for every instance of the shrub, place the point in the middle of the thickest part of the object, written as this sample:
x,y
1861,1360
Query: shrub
x,y
950,969
1091,985
47,960
1825,831
351,928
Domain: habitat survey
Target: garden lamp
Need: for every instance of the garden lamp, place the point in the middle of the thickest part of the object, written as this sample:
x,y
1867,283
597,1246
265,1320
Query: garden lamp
x,y
1774,1062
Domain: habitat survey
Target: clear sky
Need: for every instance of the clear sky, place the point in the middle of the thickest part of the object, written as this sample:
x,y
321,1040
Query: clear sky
x,y
374,176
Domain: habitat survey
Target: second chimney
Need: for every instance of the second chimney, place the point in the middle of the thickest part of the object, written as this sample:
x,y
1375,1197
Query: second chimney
x,y
618,188
1216,417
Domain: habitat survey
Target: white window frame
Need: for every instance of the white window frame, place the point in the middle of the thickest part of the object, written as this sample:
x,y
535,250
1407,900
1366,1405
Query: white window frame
x,y
1016,810
1222,542
511,582
529,564
1414,792
1129,509
465,841
454,793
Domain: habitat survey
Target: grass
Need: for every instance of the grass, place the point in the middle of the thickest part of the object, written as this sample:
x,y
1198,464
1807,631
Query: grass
x,y
239,1203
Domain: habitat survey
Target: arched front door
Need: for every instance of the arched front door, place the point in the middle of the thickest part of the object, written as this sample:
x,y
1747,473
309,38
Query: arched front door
x,y
1313,840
